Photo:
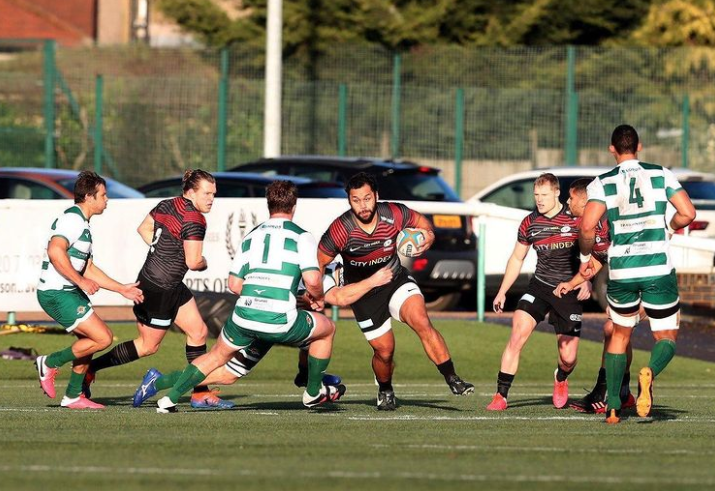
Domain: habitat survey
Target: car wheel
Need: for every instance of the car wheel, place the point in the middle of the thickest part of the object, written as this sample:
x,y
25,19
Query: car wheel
x,y
599,287
441,302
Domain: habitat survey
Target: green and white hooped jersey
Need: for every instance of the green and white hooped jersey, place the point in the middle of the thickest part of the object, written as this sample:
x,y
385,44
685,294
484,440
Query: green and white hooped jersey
x,y
636,195
73,226
271,261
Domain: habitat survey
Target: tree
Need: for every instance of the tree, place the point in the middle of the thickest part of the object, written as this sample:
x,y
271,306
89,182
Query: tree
x,y
678,23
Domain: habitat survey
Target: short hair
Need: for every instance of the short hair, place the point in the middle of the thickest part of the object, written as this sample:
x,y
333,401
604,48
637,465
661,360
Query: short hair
x,y
193,177
580,185
548,178
625,139
281,196
87,182
359,180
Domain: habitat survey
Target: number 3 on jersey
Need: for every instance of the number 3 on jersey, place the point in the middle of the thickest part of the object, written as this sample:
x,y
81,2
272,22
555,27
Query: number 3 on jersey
x,y
635,196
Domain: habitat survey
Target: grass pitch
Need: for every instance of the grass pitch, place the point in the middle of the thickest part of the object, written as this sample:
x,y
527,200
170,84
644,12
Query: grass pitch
x,y
433,441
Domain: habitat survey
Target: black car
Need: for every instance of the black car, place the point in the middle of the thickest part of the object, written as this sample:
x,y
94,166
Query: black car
x,y
449,267
245,185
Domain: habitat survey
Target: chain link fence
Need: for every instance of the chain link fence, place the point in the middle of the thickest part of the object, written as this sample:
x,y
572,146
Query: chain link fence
x,y
478,113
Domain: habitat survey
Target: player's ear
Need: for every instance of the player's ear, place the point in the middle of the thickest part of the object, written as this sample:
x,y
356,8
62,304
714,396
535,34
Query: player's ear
x,y
640,147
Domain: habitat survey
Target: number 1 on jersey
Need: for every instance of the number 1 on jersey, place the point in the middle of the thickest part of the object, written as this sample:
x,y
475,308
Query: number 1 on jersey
x,y
266,247
635,195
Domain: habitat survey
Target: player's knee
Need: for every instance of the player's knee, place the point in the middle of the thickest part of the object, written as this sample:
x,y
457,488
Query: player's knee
x,y
147,349
384,355
104,340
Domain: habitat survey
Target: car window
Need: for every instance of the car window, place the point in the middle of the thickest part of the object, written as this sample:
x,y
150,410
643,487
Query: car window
x,y
115,189
319,190
517,194
316,173
415,186
700,190
228,189
166,190
14,188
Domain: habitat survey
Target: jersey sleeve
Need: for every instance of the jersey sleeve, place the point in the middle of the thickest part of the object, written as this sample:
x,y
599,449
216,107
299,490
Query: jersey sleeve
x,y
408,218
307,252
672,185
523,235
69,226
595,191
334,239
194,227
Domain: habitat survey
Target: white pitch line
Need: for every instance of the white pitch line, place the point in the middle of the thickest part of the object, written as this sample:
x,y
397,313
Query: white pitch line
x,y
355,475
592,419
492,448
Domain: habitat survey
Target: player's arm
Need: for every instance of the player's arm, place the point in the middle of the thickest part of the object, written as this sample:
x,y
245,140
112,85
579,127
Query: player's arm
x,y
146,229
425,226
343,296
684,210
323,260
587,236
129,290
578,279
235,284
513,268
60,259
193,251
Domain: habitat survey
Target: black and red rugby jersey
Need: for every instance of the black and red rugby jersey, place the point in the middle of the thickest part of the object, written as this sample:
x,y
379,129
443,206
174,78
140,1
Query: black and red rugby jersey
x,y
555,242
175,220
603,241
364,253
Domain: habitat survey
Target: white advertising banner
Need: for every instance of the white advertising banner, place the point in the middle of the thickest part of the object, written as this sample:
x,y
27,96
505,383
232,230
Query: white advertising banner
x,y
120,252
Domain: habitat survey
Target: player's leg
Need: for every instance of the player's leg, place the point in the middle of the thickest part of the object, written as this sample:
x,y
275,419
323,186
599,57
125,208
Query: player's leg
x,y
568,350
383,366
73,310
195,373
154,317
372,313
662,304
530,310
93,336
566,314
408,305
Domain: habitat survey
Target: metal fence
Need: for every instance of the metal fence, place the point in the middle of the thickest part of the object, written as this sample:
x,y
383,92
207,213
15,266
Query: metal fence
x,y
139,114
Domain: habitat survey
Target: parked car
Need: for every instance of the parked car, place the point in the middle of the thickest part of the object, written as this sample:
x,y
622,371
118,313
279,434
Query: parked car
x,y
245,185
37,183
517,191
449,267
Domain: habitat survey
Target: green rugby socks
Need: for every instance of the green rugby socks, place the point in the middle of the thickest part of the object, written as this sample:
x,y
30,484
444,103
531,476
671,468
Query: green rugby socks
x,y
663,352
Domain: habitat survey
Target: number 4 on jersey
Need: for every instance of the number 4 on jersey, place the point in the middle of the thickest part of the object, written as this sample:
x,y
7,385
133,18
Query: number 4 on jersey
x,y
635,195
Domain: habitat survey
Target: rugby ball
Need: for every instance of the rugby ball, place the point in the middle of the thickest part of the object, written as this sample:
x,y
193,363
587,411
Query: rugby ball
x,y
408,240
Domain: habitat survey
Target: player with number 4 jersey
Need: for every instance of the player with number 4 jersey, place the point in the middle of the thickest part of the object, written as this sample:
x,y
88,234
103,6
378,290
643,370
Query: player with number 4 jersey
x,y
634,195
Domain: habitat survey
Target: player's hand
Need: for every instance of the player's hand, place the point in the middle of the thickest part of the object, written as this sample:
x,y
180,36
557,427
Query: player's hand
x,y
90,287
498,303
132,292
587,269
429,240
381,277
584,291
317,305
563,289
303,301
205,265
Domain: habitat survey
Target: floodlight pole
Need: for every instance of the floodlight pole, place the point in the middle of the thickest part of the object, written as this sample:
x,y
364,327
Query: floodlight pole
x,y
274,53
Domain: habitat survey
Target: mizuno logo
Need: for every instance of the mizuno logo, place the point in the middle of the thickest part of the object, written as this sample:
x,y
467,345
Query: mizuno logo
x,y
258,291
